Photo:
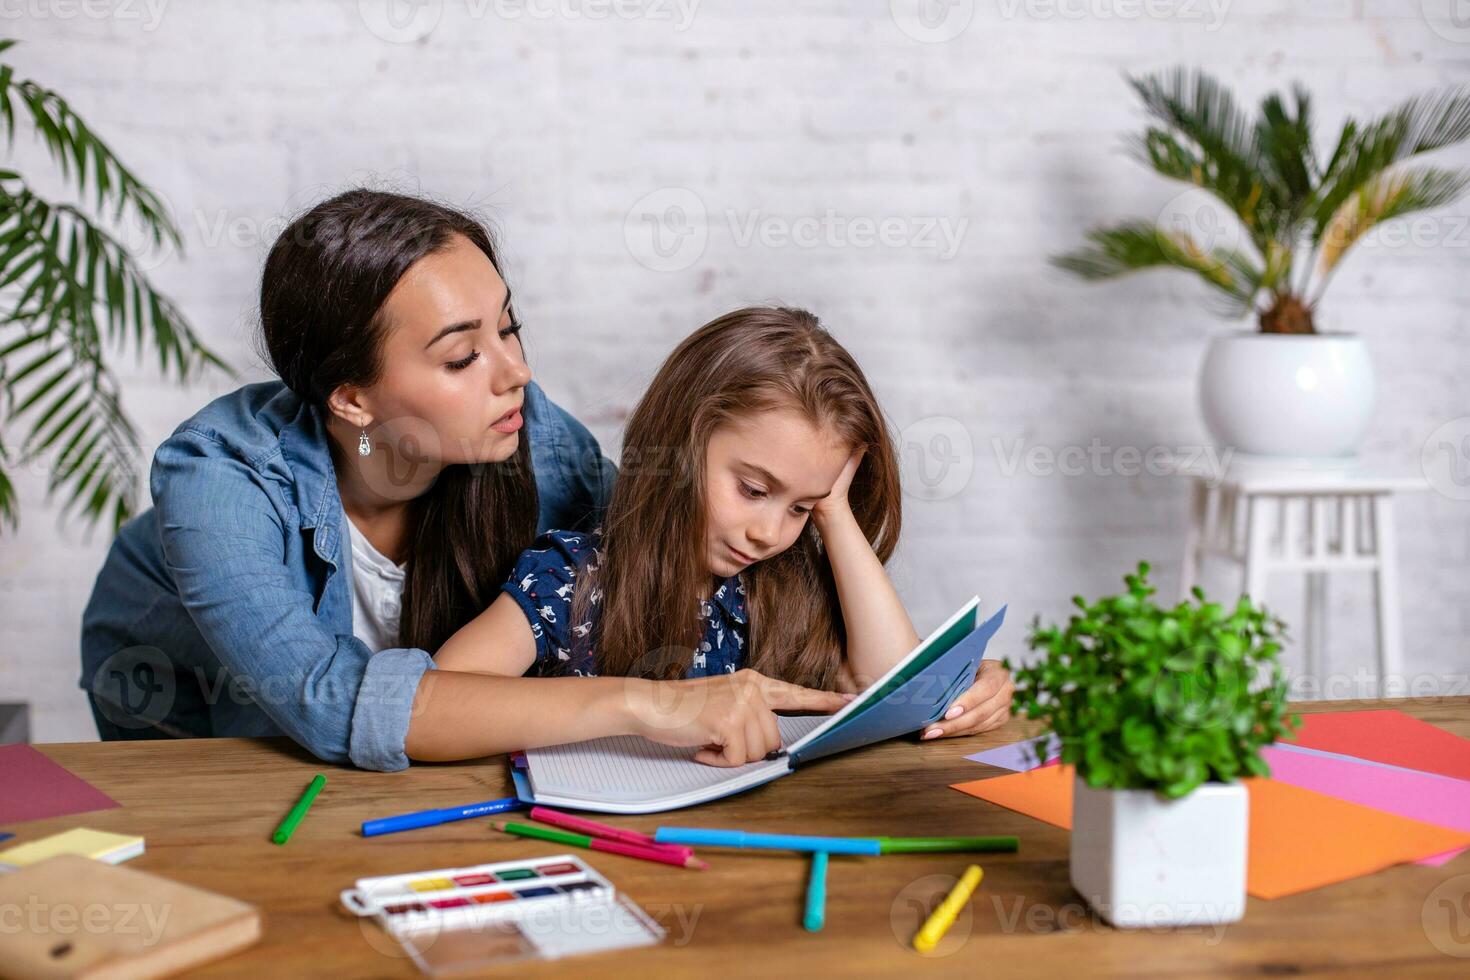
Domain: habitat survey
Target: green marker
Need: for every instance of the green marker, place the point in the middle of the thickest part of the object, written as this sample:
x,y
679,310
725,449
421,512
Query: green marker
x,y
288,826
931,845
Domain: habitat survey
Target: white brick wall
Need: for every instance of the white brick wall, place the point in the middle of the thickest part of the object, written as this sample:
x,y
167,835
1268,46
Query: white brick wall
x,y
561,121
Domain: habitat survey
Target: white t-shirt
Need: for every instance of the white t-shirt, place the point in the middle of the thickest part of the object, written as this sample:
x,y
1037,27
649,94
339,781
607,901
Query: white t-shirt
x,y
377,593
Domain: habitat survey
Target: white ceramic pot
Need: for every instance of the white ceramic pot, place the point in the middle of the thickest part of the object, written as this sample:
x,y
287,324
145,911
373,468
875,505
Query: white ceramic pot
x,y
1143,860
1302,395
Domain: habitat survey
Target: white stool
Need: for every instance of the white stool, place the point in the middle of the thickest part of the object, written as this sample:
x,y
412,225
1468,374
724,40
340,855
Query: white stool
x,y
1302,520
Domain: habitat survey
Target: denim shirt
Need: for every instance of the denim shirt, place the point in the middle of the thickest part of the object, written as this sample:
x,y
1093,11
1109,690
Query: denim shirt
x,y
226,609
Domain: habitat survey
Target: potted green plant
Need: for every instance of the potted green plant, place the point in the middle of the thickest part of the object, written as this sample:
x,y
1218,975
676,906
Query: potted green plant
x,y
1285,216
1161,711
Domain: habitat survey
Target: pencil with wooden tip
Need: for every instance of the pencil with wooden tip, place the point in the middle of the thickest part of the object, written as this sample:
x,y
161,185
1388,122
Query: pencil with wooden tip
x,y
641,851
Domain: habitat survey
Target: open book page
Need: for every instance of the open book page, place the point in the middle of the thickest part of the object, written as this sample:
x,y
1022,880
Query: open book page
x,y
631,770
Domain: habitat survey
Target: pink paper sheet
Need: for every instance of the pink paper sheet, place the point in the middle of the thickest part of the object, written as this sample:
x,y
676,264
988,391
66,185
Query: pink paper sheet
x,y
36,787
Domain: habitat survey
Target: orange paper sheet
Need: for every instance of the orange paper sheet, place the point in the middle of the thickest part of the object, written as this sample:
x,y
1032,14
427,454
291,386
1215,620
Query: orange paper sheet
x,y
1299,839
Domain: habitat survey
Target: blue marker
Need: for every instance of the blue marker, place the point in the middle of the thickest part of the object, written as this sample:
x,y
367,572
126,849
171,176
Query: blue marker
x,y
776,842
430,818
816,894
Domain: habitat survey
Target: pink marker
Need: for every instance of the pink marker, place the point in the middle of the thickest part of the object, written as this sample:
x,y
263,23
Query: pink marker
x,y
656,852
592,828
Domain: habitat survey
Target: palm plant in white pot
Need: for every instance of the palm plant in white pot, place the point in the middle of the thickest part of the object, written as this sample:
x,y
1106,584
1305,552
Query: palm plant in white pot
x,y
1283,389
1161,711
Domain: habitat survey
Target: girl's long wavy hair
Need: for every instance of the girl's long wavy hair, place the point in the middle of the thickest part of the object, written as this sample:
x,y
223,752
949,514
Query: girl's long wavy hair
x,y
321,311
653,571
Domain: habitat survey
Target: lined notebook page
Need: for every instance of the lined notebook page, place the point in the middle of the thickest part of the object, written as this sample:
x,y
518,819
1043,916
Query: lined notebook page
x,y
632,769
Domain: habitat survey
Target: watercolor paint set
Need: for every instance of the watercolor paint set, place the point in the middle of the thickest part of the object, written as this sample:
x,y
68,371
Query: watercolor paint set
x,y
454,919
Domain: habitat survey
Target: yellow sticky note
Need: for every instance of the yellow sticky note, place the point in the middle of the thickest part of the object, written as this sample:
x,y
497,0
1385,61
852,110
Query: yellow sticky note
x,y
96,844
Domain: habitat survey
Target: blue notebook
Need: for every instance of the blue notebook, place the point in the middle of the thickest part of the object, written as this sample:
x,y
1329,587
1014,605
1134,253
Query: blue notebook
x,y
630,774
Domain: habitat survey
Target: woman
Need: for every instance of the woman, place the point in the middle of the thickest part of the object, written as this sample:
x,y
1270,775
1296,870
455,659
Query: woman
x,y
293,519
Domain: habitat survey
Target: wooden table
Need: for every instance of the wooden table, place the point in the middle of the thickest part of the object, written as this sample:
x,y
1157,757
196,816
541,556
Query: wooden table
x,y
207,809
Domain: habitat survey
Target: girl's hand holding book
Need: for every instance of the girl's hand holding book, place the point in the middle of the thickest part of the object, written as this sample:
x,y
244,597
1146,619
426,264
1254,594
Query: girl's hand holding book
x,y
985,706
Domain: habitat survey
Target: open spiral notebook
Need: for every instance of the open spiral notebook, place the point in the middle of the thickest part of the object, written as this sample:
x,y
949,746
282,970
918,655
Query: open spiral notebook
x,y
631,774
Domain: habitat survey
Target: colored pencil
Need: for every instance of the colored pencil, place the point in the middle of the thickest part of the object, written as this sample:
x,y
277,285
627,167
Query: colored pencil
x,y
641,851
288,826
592,828
816,893
431,818
943,917
931,845
780,842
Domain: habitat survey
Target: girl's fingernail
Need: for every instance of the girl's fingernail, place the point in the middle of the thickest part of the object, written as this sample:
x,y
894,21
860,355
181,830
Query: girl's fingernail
x,y
849,697
955,710
932,733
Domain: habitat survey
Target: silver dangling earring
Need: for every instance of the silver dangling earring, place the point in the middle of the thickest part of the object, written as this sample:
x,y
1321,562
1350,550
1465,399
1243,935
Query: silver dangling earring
x,y
364,448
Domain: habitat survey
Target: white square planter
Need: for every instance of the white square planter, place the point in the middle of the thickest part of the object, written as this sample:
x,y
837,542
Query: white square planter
x,y
1142,860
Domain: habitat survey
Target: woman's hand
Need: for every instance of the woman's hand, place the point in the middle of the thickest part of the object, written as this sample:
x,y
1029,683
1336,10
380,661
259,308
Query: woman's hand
x,y
986,705
731,717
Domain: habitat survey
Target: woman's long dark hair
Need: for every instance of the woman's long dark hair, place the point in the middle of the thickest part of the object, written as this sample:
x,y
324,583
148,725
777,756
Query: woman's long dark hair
x,y
321,312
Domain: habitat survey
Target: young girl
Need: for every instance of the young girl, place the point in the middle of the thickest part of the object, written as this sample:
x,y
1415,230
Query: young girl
x,y
757,503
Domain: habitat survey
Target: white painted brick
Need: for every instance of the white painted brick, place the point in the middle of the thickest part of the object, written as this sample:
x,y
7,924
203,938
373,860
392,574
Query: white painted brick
x,y
243,114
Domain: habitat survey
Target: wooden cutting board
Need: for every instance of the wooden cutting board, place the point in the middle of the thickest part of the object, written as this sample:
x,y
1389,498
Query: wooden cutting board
x,y
82,918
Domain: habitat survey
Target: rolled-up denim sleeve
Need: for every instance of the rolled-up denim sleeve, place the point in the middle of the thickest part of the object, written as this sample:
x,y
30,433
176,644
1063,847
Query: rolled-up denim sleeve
x,y
384,706
224,545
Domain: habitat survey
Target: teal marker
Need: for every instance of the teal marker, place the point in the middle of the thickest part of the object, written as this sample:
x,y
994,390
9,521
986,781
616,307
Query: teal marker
x,y
816,893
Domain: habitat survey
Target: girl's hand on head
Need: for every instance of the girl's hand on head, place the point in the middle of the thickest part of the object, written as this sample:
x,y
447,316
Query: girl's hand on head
x,y
985,706
730,718
836,501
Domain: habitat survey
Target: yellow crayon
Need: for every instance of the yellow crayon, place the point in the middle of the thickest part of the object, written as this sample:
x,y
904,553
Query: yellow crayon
x,y
943,917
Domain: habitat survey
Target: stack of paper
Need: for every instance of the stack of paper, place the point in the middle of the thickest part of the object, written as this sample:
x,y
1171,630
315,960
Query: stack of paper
x,y
113,848
96,844
1354,792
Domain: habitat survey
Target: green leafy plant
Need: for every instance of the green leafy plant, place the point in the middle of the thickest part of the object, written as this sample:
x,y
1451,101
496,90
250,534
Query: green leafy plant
x,y
1143,697
1300,211
69,290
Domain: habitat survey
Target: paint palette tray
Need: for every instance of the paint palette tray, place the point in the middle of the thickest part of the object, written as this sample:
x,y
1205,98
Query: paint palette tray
x,y
454,919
